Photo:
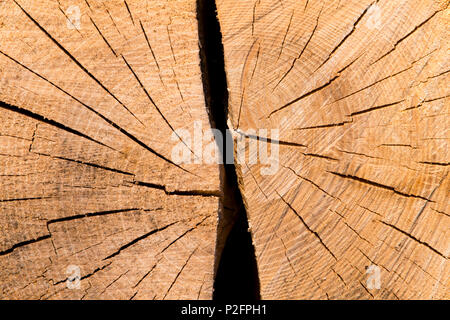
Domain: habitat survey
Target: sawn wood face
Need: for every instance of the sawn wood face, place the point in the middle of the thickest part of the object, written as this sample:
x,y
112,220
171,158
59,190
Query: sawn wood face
x,y
358,91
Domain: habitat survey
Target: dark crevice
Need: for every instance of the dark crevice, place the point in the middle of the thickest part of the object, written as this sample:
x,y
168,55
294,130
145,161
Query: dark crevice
x,y
379,185
199,193
83,277
89,164
90,214
129,244
35,116
23,243
236,272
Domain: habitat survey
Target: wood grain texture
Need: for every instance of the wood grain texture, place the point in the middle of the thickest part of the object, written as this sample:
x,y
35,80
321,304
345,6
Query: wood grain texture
x,y
359,92
86,175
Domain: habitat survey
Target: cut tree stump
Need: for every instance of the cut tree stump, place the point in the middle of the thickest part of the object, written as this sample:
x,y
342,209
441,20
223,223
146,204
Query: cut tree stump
x,y
353,94
359,93
88,186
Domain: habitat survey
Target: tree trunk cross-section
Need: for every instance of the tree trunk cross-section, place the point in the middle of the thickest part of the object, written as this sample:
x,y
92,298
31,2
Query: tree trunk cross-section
x,y
87,178
92,92
359,92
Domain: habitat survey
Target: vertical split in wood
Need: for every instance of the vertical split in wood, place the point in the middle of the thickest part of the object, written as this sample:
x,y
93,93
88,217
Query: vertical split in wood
x,y
235,269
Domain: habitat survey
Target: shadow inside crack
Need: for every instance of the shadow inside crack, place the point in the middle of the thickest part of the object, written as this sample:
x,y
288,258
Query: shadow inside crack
x,y
236,272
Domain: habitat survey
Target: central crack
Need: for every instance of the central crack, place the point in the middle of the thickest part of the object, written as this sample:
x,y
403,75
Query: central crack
x,y
236,272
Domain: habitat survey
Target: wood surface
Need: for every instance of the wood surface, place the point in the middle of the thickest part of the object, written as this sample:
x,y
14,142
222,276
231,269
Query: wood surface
x,y
357,91
86,172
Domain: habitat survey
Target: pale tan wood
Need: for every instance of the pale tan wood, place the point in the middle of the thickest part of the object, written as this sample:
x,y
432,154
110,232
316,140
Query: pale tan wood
x,y
361,98
80,184
359,92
